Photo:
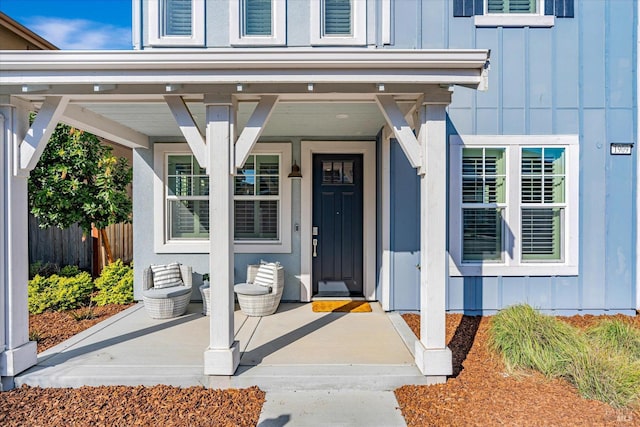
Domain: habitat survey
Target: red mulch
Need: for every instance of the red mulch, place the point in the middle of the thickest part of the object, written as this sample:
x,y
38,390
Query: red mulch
x,y
481,393
120,405
130,406
53,327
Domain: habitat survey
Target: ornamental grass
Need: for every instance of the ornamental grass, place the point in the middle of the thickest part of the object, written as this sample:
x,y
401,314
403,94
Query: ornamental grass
x,y
603,362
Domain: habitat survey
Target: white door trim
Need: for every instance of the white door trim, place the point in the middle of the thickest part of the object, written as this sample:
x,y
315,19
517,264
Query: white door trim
x,y
368,151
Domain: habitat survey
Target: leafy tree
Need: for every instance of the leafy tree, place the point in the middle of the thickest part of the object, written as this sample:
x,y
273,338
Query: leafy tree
x,y
78,180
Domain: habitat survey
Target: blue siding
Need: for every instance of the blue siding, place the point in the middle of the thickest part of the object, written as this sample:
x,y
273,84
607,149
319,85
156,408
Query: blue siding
x,y
405,232
577,77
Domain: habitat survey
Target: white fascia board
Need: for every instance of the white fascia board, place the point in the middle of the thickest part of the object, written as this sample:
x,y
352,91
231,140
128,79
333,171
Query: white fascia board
x,y
276,65
99,125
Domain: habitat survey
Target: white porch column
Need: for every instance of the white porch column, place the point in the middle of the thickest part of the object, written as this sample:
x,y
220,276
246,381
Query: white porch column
x,y
223,355
17,353
432,355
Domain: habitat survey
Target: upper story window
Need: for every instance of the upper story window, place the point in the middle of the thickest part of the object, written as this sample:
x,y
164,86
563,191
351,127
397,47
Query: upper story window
x,y
257,22
338,22
512,6
514,13
175,22
514,205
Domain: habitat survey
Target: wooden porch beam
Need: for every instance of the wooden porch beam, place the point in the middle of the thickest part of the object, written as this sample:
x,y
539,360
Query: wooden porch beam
x,y
37,136
254,128
401,129
188,128
99,125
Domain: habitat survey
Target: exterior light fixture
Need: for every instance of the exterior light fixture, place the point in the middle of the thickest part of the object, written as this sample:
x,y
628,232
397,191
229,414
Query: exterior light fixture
x,y
172,88
310,87
295,171
239,87
103,87
380,87
35,88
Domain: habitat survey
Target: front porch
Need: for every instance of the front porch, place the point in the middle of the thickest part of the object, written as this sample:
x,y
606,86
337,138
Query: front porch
x,y
146,99
294,349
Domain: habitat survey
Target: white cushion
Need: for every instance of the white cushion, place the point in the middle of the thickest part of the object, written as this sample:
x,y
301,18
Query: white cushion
x,y
251,289
166,276
266,275
166,293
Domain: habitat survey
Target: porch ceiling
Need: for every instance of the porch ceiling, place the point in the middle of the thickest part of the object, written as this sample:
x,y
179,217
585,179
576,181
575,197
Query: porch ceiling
x,y
288,119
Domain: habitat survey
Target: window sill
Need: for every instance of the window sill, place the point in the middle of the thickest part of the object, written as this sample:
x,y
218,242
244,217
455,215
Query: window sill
x,y
258,41
176,41
529,269
511,20
338,41
203,247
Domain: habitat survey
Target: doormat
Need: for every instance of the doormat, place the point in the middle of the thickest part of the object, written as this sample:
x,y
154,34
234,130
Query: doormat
x,y
340,306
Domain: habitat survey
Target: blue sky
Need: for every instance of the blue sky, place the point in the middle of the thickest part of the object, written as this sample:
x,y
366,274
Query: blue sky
x,y
75,24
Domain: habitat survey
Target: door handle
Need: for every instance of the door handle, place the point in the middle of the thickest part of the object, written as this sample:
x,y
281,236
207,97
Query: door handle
x,y
315,247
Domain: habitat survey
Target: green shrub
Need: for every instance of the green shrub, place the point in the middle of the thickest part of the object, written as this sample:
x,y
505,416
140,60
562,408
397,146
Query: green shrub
x,y
69,271
115,284
58,293
617,336
527,339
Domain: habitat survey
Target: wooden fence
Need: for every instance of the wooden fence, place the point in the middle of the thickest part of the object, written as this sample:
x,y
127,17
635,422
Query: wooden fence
x,y
67,247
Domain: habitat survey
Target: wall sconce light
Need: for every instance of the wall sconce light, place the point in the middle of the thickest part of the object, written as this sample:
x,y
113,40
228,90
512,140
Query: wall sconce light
x,y
295,171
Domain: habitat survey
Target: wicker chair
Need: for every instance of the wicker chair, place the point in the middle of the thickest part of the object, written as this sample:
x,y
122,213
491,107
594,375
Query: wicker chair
x,y
168,302
261,295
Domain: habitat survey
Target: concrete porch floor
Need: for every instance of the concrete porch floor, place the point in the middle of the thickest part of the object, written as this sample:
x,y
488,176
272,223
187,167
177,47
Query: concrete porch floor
x,y
294,349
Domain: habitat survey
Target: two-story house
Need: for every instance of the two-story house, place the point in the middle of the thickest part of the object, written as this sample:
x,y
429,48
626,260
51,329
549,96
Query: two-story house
x,y
433,155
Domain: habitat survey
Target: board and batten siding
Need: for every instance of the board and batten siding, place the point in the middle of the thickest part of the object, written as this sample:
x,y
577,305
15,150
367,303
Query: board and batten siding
x,y
577,77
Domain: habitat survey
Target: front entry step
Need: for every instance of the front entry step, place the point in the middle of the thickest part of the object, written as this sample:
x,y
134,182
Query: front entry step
x,y
325,377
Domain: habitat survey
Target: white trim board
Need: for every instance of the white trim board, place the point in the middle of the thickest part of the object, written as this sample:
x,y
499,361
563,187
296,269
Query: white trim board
x,y
385,267
368,151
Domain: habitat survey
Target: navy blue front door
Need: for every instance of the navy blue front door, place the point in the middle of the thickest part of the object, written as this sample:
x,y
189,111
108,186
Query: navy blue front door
x,y
337,225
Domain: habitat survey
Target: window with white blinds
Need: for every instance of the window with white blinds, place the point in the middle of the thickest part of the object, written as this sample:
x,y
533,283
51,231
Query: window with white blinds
x,y
257,197
257,17
338,22
337,17
543,202
512,6
261,201
514,204
257,22
177,17
483,203
175,22
187,198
